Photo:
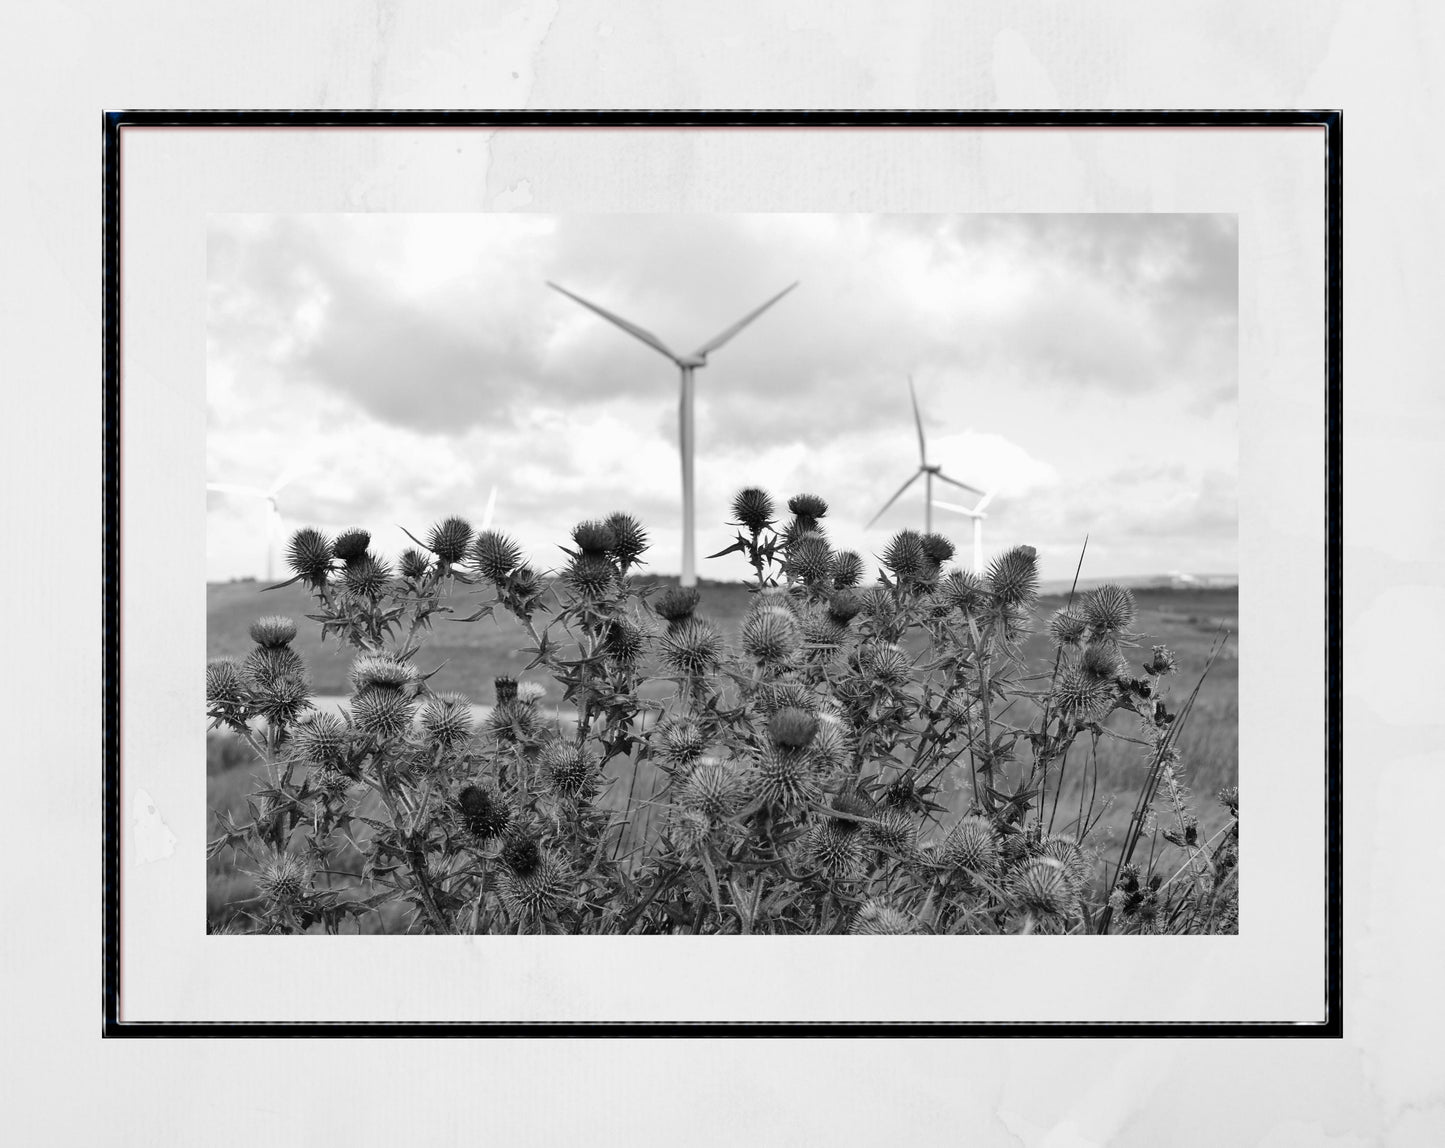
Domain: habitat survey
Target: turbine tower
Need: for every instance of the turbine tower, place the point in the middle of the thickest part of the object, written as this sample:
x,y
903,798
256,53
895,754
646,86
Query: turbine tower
x,y
273,511
977,514
687,364
928,471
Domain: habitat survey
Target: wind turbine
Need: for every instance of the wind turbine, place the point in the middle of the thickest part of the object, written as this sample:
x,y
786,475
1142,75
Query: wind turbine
x,y
928,471
977,514
273,512
490,510
687,364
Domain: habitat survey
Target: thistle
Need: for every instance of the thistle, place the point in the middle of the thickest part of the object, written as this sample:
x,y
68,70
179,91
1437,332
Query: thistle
x,y
1068,854
754,509
810,558
350,545
495,556
530,693
833,847
937,549
379,672
888,665
1082,696
1109,610
904,555
449,539
716,789
680,743
1102,660
625,642
281,699
446,721
831,744
972,845
893,830
1067,628
570,771
591,575
844,606
322,739
676,604
384,714
1161,663
309,556
266,665
284,880
629,539
1013,577
273,631
879,918
1042,888
225,685
808,506
539,891
594,538
792,729
414,565
692,648
770,635
504,689
847,569
366,577
783,778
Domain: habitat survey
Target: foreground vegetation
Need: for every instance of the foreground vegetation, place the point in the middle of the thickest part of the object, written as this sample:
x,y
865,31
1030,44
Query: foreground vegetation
x,y
922,752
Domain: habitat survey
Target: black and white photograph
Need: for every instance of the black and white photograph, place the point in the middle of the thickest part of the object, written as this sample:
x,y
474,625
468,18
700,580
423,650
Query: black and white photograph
x,y
722,574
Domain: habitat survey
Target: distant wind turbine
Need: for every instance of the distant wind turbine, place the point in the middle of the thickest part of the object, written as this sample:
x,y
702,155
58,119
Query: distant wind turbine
x,y
687,364
273,510
928,471
977,514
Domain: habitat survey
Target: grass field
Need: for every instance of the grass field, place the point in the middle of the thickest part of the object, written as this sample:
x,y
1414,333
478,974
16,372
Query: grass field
x,y
1189,621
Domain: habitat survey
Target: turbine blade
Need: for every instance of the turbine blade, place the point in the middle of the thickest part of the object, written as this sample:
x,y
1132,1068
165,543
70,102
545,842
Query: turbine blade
x,y
912,479
961,485
954,507
718,340
287,477
918,422
490,510
984,501
232,488
616,320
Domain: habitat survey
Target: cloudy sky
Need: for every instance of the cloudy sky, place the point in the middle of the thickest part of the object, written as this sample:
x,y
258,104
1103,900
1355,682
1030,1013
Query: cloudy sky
x,y
1083,367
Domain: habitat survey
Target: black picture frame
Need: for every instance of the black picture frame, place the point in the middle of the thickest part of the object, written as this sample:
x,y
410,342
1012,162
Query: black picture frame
x,y
114,122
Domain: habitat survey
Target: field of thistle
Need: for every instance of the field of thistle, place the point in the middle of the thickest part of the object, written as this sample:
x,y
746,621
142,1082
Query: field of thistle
x,y
461,742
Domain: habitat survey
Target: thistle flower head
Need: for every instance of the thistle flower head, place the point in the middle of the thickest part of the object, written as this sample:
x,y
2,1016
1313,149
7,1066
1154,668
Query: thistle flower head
x,y
888,665
892,829
1013,576
309,555
792,729
504,689
225,685
692,648
1101,659
446,721
539,890
384,714
973,845
1162,662
1068,854
771,635
877,602
282,699
322,739
902,793
1109,609
511,722
379,672
366,577
594,538
266,665
904,554
525,582
716,789
830,745
1067,628
414,564
284,880
833,847
1041,887
810,558
844,606
495,556
521,854
847,569
937,549
856,809
273,631
530,693
625,641
880,918
782,778
1082,696
482,811
808,506
753,508
629,538
330,783
570,770
676,604
351,544
591,575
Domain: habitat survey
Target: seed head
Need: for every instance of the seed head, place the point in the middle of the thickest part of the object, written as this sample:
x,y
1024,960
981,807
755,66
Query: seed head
x,y
322,739
570,770
594,538
937,549
904,554
495,556
629,539
384,714
351,544
273,631
847,569
973,845
483,813
676,604
530,693
366,577
1109,610
692,648
770,635
309,555
285,880
1067,628
591,575
414,564
1014,576
792,729
224,684
1041,887
878,917
753,508
446,721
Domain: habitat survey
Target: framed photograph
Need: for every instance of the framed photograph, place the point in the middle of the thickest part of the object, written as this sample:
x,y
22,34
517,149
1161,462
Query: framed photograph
x,y
779,573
